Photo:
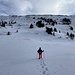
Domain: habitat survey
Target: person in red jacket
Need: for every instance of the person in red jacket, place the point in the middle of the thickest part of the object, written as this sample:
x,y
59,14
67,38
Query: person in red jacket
x,y
40,52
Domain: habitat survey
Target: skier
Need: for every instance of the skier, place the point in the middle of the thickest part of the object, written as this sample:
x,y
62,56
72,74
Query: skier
x,y
40,52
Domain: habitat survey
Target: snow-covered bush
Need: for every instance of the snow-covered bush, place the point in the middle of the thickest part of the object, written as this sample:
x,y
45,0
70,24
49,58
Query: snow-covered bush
x,y
49,30
53,33
11,22
55,30
16,31
3,23
71,36
33,17
71,28
39,24
66,21
31,26
8,33
67,34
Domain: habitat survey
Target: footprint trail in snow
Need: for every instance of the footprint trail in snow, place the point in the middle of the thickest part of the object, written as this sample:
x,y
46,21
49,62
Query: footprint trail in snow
x,y
44,67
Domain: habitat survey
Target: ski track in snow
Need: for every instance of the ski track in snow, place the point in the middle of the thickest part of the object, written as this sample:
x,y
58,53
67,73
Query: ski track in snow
x,y
44,68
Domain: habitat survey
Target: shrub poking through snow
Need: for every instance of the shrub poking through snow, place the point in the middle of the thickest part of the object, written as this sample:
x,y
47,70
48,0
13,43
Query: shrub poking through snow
x,y
49,30
71,36
53,33
31,26
39,24
8,33
71,28
3,24
66,21
55,29
67,34
16,31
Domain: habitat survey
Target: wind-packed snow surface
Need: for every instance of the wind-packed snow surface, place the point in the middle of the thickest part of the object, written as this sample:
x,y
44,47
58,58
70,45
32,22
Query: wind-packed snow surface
x,y
18,51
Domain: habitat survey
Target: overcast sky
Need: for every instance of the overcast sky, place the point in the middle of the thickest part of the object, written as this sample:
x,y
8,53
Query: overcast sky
x,y
23,7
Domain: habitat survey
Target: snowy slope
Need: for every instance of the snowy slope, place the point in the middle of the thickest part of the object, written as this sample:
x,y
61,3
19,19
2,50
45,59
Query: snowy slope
x,y
18,51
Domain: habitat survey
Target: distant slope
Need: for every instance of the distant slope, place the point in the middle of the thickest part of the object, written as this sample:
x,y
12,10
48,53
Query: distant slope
x,y
47,20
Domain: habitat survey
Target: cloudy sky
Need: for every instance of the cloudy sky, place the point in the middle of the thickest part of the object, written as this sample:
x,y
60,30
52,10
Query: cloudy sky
x,y
23,7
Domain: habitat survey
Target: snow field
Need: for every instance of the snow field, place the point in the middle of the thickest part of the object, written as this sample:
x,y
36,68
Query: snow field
x,y
18,51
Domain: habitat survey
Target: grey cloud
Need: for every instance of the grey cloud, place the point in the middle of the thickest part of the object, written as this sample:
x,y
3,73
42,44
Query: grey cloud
x,y
45,6
15,6
67,7
22,7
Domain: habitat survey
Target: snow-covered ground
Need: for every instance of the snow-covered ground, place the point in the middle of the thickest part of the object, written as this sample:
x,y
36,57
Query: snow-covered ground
x,y
18,51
